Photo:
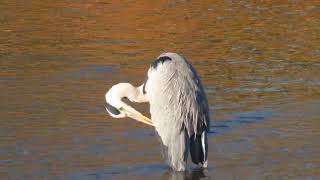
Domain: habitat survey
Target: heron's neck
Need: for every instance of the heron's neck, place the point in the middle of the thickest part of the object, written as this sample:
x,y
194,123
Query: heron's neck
x,y
122,90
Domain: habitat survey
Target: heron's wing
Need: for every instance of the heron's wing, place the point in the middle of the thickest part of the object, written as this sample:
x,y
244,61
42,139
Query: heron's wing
x,y
177,101
199,148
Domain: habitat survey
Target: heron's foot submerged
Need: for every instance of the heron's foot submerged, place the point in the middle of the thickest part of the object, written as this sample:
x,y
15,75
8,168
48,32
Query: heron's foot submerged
x,y
180,168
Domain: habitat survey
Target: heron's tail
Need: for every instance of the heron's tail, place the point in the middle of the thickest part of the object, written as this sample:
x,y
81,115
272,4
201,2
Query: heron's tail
x,y
199,148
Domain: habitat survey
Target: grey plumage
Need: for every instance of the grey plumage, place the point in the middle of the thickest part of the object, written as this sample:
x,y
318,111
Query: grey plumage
x,y
179,110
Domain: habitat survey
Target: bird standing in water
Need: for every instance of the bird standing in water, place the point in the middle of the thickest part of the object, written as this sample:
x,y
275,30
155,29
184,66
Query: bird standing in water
x,y
178,107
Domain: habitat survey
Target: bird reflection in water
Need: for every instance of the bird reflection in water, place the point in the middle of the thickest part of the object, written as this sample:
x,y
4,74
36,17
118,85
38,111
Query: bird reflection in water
x,y
194,174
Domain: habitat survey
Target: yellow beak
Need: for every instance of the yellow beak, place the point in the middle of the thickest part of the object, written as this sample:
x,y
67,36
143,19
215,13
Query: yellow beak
x,y
132,113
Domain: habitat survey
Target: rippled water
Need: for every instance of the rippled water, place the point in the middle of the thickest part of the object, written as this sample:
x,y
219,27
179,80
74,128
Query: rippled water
x,y
259,62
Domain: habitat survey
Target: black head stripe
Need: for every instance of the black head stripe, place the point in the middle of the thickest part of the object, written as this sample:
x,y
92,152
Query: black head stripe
x,y
161,59
112,109
144,87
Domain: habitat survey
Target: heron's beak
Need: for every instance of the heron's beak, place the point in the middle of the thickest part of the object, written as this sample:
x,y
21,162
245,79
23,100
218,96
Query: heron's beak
x,y
132,113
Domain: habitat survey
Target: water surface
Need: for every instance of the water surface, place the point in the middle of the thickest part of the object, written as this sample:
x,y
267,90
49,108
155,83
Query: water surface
x,y
259,63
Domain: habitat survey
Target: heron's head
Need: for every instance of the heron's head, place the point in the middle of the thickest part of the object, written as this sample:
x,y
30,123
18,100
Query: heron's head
x,y
115,111
119,109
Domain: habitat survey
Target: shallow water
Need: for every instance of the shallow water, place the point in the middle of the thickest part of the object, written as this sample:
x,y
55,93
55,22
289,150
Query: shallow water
x,y
259,63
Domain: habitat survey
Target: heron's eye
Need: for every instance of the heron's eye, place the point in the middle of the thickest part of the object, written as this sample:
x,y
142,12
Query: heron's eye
x,y
125,99
112,109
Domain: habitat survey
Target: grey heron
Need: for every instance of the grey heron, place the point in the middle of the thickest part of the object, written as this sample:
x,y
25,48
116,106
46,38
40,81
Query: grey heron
x,y
178,107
